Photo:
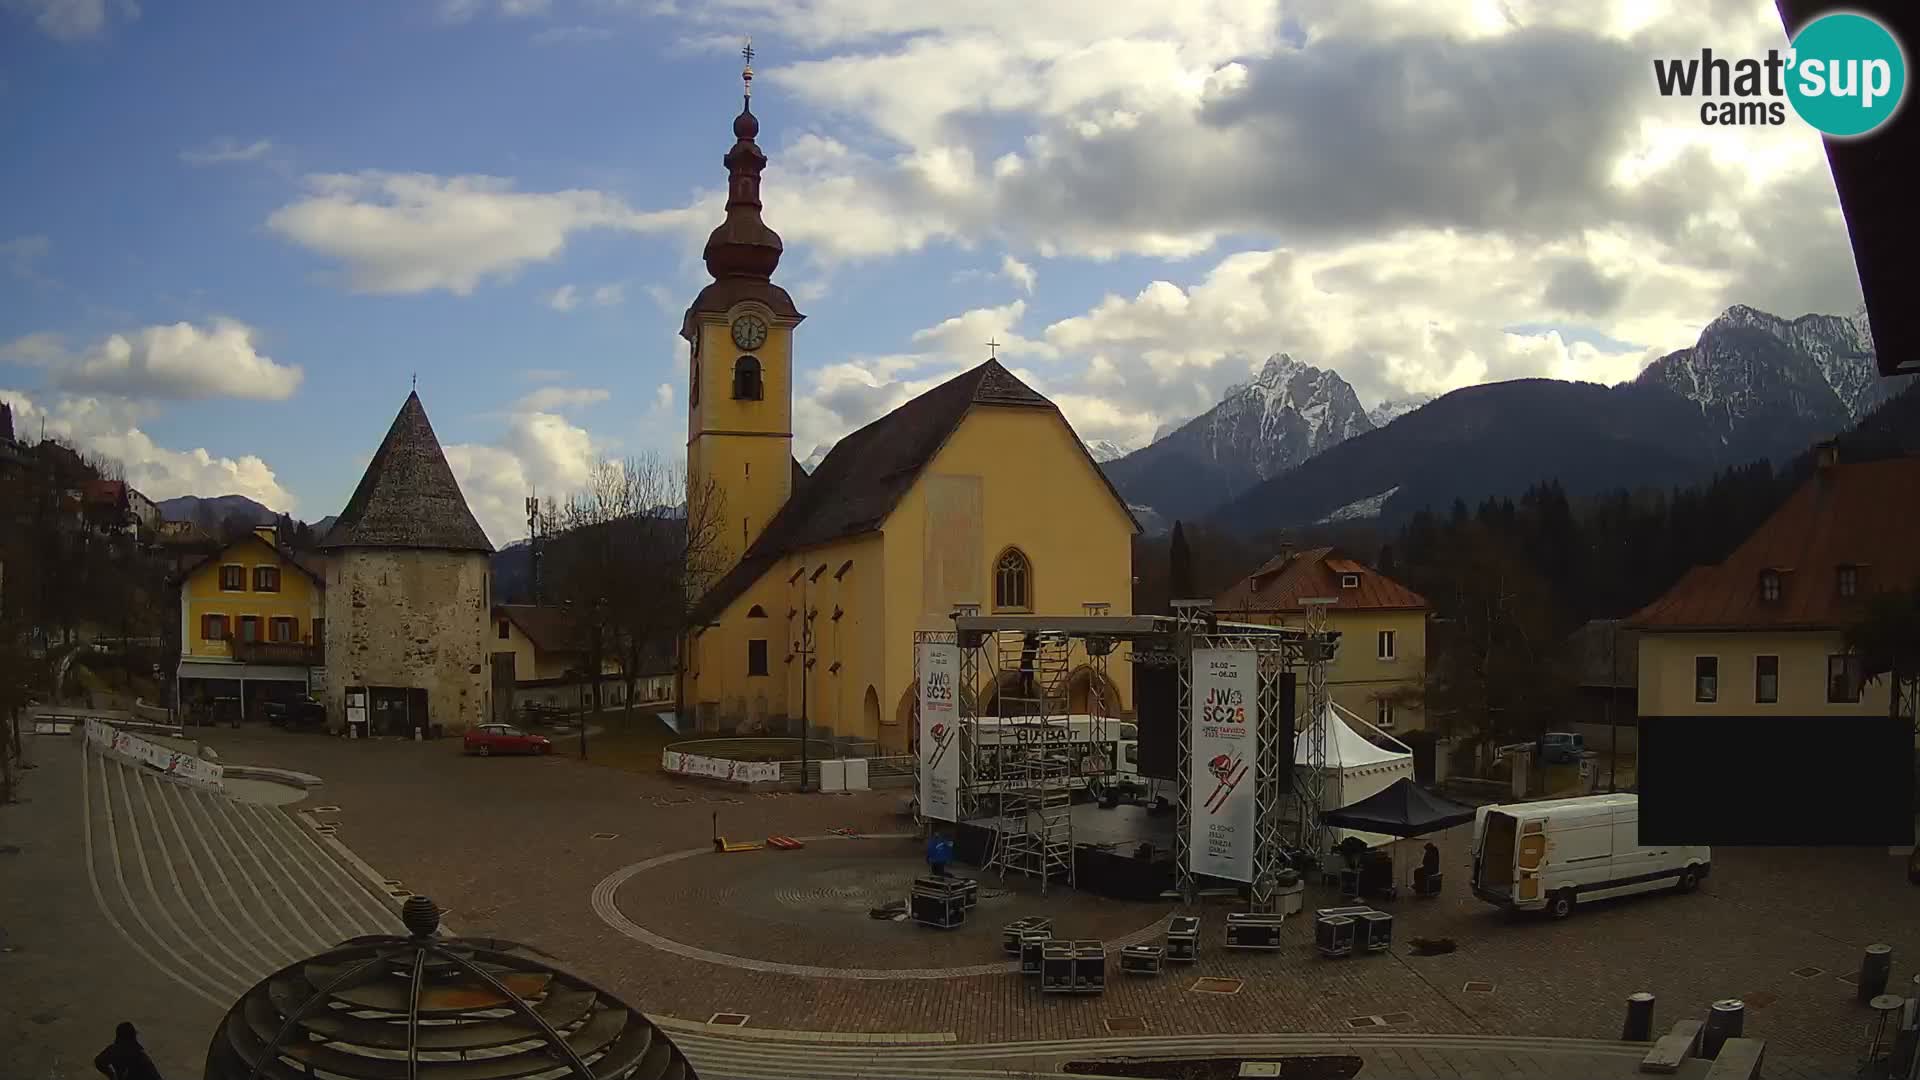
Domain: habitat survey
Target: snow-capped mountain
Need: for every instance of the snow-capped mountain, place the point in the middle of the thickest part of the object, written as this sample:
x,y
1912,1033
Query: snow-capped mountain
x,y
1289,412
1759,379
1394,408
1106,450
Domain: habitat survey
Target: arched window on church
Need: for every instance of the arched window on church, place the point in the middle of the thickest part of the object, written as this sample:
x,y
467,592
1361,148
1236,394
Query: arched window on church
x,y
746,379
756,612
1013,582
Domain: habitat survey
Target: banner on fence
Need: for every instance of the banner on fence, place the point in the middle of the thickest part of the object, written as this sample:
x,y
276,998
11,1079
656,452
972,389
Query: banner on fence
x,y
939,760
712,768
172,762
1221,774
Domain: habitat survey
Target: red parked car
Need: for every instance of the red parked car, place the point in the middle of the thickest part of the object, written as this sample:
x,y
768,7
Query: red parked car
x,y
488,739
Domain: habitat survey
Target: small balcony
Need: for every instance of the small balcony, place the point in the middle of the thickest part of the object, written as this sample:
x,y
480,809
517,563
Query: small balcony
x,y
293,653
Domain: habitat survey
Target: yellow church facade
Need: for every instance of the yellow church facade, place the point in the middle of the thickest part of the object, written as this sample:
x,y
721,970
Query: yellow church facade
x,y
977,492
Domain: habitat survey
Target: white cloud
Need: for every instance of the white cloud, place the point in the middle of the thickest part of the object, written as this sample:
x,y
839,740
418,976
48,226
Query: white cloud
x,y
67,20
663,397
227,149
538,453
560,398
179,361
569,297
111,429
1018,272
969,334
414,232
459,11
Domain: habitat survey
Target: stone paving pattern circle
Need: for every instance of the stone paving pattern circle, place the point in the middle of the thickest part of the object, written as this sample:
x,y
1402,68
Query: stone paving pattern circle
x,y
805,912
504,844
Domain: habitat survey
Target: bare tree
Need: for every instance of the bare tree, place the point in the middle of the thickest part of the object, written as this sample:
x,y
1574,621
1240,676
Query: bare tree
x,y
629,554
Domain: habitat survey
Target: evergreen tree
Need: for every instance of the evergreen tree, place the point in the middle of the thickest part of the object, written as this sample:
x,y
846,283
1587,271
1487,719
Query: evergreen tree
x,y
1179,565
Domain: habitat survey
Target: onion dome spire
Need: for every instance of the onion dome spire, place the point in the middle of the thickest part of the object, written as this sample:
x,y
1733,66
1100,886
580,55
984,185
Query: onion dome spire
x,y
743,245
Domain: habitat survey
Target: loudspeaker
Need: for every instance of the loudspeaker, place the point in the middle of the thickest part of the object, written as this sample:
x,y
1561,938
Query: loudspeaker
x,y
1156,690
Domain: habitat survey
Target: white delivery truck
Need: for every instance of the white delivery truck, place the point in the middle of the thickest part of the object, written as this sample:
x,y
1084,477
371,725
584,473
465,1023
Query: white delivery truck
x,y
1552,855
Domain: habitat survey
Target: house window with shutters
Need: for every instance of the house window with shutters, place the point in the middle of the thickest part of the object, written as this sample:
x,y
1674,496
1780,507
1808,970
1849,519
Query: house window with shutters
x,y
233,578
1770,587
266,579
213,628
249,628
1847,581
283,629
1013,582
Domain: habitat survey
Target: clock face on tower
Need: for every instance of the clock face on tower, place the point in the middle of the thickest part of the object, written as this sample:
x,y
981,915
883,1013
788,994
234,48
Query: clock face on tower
x,y
749,332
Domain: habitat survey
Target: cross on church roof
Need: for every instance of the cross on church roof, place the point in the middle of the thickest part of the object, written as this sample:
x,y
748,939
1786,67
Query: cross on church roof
x,y
993,349
746,73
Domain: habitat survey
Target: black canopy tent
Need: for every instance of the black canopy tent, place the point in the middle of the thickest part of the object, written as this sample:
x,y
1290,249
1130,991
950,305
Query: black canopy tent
x,y
1401,809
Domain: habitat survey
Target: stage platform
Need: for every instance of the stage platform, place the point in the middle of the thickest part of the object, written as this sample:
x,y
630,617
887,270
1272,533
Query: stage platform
x,y
1107,855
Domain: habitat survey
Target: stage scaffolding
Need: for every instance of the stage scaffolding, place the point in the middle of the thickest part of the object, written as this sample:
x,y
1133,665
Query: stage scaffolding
x,y
1020,768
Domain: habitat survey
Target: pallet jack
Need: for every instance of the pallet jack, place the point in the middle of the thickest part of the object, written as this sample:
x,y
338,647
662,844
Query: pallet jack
x,y
724,846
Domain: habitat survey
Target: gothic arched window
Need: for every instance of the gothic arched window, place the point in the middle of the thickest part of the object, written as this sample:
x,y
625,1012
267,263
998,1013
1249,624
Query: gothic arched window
x,y
746,379
1013,582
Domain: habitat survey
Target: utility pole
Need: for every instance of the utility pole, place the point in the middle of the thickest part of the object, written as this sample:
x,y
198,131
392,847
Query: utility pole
x,y
533,541
803,648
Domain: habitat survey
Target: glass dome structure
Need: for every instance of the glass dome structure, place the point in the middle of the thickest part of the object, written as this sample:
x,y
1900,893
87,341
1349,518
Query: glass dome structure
x,y
425,1007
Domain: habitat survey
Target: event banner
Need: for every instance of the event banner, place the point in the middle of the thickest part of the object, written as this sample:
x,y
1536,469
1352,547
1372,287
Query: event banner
x,y
712,768
939,731
174,763
1226,696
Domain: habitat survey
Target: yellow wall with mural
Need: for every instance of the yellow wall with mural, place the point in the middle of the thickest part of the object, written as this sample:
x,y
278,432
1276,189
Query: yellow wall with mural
x,y
1667,675
1360,676
298,598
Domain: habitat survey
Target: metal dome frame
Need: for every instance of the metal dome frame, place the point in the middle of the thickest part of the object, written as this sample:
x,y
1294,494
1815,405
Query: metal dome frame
x,y
308,1017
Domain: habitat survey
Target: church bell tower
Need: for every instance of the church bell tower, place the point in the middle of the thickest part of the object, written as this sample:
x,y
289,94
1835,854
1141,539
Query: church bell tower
x,y
739,332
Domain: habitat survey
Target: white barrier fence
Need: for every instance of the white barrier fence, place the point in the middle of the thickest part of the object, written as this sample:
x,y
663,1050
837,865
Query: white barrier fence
x,y
712,768
172,762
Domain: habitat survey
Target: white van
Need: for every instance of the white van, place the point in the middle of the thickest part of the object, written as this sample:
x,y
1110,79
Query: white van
x,y
1549,856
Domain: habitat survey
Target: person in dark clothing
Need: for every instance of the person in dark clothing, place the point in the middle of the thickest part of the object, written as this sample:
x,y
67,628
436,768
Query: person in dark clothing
x,y
126,1059
1430,860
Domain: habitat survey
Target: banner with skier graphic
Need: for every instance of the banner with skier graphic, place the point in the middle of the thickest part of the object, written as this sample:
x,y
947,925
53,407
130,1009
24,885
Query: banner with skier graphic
x,y
939,731
1226,695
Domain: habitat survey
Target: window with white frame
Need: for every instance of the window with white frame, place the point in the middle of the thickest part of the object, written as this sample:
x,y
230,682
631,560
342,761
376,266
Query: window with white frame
x,y
1386,644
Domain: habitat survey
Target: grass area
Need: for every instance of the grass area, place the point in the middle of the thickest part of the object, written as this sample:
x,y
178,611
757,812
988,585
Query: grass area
x,y
630,741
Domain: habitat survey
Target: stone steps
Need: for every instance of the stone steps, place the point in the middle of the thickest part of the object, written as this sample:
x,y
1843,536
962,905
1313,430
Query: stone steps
x,y
217,892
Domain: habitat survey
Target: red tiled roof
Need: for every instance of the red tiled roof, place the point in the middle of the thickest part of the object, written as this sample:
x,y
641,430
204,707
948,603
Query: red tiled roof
x,y
1865,515
1283,581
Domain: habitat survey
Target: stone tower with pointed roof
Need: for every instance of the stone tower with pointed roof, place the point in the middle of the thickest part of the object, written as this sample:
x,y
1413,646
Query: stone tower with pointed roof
x,y
408,592
975,492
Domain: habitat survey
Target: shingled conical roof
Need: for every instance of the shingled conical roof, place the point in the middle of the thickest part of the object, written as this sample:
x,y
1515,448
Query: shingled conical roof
x,y
408,497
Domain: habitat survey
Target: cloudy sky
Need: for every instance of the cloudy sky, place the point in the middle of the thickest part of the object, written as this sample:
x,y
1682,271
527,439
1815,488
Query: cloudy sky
x,y
231,234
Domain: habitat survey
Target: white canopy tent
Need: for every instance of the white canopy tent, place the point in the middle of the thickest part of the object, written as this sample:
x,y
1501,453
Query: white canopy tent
x,y
1355,766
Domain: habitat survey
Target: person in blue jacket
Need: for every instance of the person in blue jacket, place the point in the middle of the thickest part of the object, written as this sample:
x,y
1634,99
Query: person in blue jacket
x,y
939,852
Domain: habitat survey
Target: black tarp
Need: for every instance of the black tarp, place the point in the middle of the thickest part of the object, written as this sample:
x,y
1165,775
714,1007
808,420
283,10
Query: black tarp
x,y
1402,809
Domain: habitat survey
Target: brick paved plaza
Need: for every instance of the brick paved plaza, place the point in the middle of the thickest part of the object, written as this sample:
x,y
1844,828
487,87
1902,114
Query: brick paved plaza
x,y
509,847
